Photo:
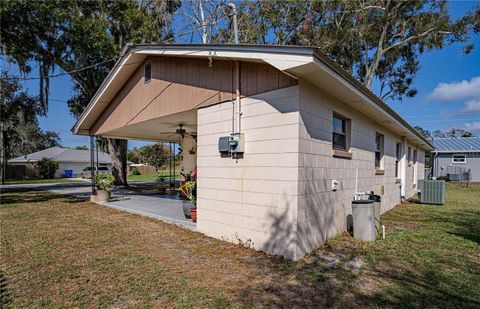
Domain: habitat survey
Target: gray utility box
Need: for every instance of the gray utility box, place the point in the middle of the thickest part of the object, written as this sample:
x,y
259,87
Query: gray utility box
x,y
431,191
235,143
363,213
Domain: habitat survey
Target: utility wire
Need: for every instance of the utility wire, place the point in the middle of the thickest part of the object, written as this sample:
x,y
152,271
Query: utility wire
x,y
106,61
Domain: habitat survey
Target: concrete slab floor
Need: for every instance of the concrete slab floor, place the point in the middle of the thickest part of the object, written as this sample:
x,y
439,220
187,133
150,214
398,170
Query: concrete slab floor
x,y
146,204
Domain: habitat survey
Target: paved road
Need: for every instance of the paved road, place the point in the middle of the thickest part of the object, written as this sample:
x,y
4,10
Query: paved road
x,y
145,204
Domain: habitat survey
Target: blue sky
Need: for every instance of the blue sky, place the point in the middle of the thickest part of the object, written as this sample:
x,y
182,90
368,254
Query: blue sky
x,y
448,93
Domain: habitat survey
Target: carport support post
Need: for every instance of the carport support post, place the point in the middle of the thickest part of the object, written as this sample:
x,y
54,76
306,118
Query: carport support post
x,y
92,161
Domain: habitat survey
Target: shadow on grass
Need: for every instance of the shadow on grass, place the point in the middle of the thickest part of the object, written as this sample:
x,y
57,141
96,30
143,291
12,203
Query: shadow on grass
x,y
5,298
28,195
430,288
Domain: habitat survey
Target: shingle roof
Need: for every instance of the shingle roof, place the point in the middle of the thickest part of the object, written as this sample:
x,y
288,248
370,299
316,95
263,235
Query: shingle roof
x,y
457,144
63,155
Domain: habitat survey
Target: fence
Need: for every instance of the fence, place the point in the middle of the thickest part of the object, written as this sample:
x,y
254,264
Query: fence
x,y
455,173
24,171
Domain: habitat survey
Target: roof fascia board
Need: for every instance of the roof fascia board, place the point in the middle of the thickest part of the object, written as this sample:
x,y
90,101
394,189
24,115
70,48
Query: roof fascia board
x,y
455,151
111,75
345,78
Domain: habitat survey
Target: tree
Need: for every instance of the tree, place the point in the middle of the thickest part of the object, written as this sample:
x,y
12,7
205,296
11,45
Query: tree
x,y
156,155
77,34
134,155
46,168
371,39
20,133
202,17
424,132
454,132
80,147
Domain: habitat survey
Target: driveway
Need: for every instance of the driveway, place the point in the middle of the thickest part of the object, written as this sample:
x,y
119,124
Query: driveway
x,y
168,209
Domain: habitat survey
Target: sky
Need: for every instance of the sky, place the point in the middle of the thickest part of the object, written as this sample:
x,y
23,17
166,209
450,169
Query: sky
x,y
448,85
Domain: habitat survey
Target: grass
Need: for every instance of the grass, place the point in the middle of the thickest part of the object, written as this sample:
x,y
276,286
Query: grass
x,y
34,181
64,252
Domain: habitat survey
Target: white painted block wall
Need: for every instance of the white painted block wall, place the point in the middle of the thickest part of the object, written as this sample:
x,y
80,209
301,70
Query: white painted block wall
x,y
278,198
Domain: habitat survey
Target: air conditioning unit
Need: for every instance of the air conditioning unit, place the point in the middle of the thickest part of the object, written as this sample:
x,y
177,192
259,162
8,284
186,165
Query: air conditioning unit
x,y
431,191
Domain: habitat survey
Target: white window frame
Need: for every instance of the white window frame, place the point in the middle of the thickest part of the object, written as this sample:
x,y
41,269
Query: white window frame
x,y
464,161
346,133
381,150
398,160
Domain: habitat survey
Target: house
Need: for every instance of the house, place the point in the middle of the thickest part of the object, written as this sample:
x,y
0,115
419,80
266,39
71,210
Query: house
x,y
281,136
455,157
68,159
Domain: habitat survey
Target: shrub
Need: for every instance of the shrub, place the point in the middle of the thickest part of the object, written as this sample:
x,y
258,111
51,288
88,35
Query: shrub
x,y
134,170
189,190
47,168
104,181
446,178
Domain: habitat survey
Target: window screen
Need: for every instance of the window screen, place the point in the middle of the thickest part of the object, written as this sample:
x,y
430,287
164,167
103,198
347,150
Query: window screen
x,y
339,137
459,158
378,150
398,156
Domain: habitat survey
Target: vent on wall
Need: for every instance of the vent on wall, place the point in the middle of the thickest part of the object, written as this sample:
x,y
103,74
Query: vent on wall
x,y
148,72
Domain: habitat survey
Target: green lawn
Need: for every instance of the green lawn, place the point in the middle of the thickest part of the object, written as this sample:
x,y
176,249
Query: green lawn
x,y
32,181
150,177
60,251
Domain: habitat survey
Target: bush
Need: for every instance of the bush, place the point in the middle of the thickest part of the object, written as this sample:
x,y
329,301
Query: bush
x,y
47,168
134,170
104,181
443,178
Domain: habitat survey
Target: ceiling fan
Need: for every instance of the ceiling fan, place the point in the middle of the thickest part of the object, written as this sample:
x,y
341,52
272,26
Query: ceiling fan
x,y
181,132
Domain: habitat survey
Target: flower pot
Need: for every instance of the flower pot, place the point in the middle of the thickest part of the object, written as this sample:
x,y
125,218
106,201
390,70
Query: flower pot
x,y
193,214
187,205
162,190
103,196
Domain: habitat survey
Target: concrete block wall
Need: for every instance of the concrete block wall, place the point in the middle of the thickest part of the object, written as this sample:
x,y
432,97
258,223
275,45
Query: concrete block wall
x,y
278,197
323,213
252,200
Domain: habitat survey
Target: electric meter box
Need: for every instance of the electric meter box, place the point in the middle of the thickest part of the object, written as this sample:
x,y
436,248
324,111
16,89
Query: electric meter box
x,y
235,143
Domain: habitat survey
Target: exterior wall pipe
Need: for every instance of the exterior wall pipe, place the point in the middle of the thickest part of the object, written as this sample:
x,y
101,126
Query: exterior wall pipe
x,y
237,92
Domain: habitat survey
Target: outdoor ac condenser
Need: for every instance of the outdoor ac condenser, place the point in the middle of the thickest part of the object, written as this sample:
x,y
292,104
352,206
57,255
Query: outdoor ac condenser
x,y
431,191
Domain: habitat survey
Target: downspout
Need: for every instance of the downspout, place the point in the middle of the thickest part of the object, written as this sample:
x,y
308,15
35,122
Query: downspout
x,y
238,102
403,172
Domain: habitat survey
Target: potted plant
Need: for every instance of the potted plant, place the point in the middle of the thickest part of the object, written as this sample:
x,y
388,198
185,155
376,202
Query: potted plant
x,y
188,189
103,184
160,178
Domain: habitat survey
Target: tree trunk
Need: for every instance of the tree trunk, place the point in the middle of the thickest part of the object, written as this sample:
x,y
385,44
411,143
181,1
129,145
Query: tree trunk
x,y
118,152
3,156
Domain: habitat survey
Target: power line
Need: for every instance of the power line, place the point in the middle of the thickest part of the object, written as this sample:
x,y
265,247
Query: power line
x,y
106,61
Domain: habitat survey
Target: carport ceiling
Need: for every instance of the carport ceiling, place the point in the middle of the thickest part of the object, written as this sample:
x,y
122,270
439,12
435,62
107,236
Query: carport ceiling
x,y
159,129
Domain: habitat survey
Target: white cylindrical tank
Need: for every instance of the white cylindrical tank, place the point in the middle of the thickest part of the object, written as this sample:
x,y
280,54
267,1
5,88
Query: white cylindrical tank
x,y
363,214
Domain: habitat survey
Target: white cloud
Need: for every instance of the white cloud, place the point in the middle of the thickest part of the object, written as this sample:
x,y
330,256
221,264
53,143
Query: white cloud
x,y
471,106
456,91
472,127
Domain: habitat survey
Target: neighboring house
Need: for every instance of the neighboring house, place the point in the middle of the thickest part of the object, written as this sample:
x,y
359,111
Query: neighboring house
x,y
68,159
312,137
456,156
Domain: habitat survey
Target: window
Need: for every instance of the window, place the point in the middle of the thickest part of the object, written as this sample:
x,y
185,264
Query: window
x,y
379,140
398,157
148,72
459,158
340,133
409,155
414,174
